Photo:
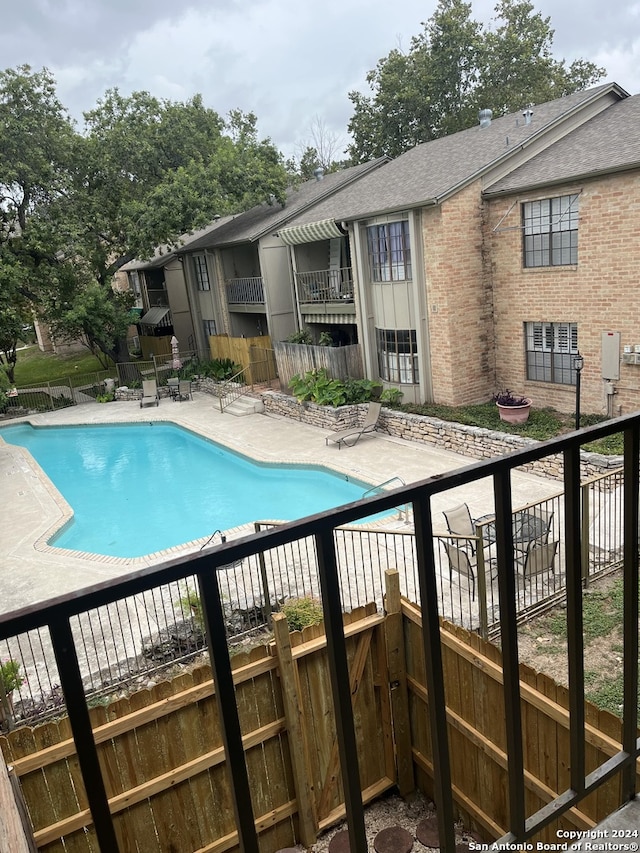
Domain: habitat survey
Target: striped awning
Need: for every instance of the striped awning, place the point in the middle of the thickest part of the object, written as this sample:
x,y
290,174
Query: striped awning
x,y
325,229
155,316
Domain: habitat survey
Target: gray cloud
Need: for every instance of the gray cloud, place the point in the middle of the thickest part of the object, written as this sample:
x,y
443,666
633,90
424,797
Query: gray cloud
x,y
284,60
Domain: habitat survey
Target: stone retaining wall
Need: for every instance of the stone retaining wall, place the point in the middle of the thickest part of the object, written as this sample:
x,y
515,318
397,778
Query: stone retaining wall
x,y
475,442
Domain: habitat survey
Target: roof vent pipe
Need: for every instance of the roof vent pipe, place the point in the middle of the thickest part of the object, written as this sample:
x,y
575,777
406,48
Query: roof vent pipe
x,y
318,173
528,115
485,117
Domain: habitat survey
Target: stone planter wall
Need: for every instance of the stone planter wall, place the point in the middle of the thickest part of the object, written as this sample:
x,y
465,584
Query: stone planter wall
x,y
475,442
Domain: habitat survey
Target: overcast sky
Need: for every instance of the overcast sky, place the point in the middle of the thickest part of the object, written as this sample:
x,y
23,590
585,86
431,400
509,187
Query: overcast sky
x,y
288,61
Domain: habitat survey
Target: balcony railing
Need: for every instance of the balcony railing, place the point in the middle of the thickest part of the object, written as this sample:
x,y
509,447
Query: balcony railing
x,y
245,291
325,285
317,538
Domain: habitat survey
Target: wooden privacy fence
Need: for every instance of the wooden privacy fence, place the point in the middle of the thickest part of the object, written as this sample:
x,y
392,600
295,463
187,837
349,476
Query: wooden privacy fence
x,y
477,735
256,353
163,761
339,362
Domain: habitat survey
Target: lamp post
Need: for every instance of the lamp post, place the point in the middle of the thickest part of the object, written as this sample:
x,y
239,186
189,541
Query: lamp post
x,y
578,364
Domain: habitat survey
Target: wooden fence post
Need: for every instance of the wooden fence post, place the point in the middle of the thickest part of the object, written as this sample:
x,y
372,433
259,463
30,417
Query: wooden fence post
x,y
13,815
298,745
398,683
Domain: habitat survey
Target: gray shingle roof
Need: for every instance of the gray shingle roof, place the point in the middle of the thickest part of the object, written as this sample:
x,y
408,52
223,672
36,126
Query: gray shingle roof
x,y
264,218
608,142
433,170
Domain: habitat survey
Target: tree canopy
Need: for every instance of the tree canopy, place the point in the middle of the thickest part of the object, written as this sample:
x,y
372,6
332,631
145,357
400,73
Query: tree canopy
x,y
456,67
75,206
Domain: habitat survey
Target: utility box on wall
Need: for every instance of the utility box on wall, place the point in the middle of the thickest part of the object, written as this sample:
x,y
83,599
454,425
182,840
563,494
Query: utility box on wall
x,y
611,355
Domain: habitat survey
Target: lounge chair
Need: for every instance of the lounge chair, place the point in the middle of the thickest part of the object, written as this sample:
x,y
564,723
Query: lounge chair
x,y
351,436
149,393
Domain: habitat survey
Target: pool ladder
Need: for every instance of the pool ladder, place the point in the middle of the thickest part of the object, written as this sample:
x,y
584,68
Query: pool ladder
x,y
403,511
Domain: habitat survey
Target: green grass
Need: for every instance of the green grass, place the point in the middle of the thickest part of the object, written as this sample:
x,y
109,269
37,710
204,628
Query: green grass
x,y
34,367
602,617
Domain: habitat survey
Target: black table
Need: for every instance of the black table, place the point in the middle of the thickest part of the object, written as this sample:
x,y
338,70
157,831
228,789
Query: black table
x,y
527,527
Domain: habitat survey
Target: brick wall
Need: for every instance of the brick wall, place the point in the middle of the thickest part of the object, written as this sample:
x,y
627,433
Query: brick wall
x,y
599,293
459,299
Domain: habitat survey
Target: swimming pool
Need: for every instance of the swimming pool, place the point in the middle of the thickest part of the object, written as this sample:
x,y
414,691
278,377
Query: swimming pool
x,y
140,488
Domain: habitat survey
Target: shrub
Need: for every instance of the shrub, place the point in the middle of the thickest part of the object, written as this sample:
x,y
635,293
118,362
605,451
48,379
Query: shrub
x,y
219,369
302,612
190,602
318,387
393,396
10,674
301,337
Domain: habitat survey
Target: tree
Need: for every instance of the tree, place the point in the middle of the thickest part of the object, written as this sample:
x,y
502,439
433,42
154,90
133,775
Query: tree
x,y
319,149
36,141
142,172
454,68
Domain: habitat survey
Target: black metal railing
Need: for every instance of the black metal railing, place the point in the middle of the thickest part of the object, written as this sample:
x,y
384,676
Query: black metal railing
x,y
133,639
58,617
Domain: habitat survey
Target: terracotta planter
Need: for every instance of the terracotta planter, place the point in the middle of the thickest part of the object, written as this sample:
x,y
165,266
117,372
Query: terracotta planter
x,y
514,414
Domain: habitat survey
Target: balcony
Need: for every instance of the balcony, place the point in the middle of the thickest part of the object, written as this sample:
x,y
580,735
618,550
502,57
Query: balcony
x,y
326,291
245,291
596,769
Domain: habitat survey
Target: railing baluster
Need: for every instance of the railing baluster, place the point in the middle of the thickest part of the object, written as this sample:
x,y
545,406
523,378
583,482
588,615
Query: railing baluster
x,y
340,688
227,710
630,612
575,634
509,643
434,673
71,682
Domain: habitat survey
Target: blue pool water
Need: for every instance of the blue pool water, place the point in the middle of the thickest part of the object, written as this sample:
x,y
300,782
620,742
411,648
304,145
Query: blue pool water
x,y
136,489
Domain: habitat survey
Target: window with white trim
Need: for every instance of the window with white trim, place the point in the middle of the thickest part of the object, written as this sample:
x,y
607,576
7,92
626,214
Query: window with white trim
x,y
550,231
389,251
550,349
201,273
397,355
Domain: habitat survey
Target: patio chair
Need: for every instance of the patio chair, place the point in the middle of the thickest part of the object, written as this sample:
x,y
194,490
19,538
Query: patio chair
x,y
460,563
459,521
351,436
184,391
149,393
538,559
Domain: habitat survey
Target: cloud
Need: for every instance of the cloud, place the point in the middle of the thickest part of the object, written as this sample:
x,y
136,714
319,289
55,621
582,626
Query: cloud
x,y
285,60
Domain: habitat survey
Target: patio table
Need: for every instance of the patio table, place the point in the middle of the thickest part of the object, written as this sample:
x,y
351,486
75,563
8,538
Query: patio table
x,y
527,527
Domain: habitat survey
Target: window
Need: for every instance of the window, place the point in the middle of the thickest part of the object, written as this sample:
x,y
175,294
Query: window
x,y
550,351
397,355
209,327
550,231
201,272
389,252
134,282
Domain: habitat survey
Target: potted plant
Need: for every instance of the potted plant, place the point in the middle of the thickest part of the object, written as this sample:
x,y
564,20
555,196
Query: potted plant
x,y
513,408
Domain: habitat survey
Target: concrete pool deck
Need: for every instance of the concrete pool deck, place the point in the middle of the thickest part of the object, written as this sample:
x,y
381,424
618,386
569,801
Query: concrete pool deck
x,y
33,571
